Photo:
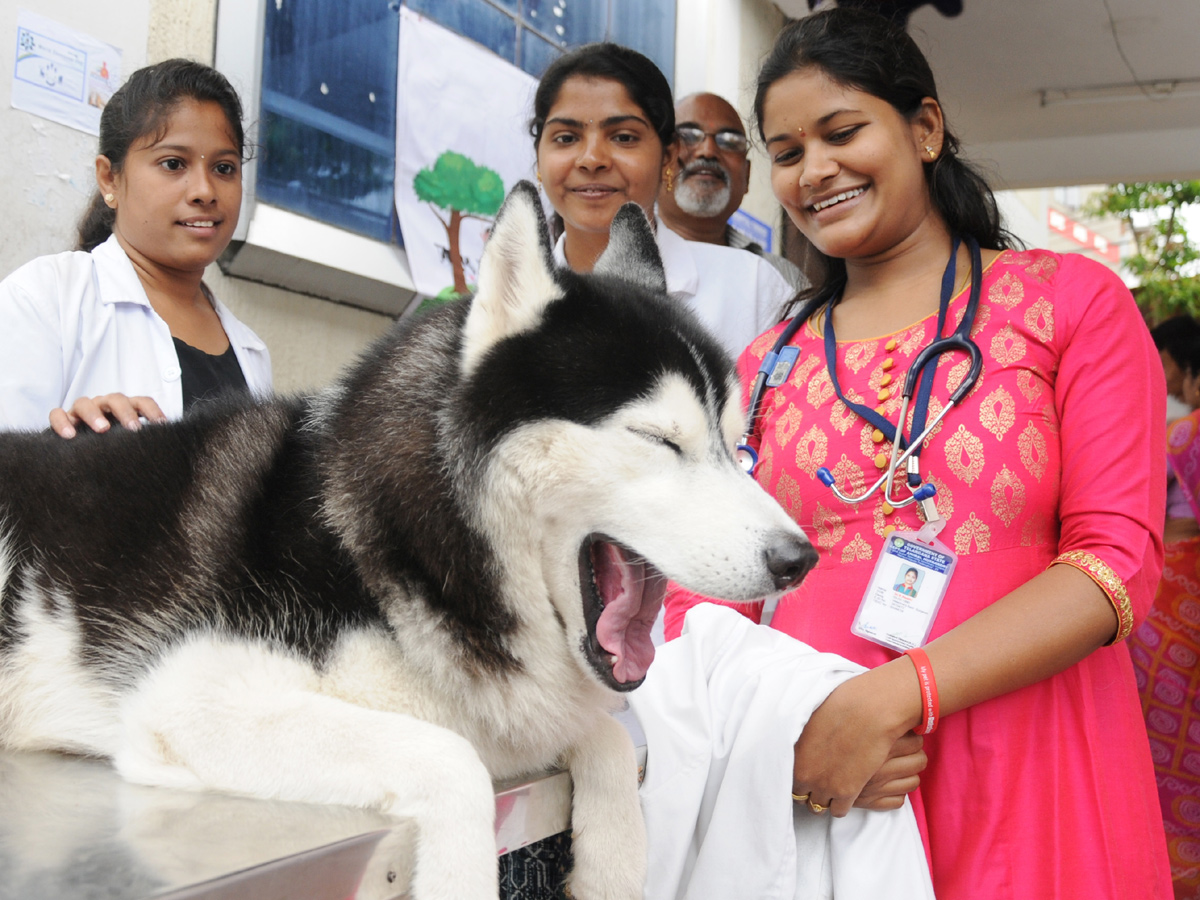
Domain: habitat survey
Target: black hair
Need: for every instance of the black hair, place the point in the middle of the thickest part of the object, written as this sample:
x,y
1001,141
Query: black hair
x,y
1174,335
141,106
641,78
867,52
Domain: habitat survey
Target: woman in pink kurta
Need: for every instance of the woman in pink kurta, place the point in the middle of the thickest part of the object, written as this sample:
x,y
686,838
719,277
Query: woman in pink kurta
x,y
1049,477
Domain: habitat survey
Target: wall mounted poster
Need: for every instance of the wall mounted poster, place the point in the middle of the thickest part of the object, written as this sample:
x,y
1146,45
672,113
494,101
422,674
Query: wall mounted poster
x,y
62,74
462,142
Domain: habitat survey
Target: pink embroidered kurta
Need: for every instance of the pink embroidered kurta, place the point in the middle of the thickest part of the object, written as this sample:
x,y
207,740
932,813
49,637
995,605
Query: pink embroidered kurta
x,y
1055,456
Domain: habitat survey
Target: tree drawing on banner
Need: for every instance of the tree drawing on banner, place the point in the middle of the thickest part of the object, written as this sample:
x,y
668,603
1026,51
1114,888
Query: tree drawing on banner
x,y
464,190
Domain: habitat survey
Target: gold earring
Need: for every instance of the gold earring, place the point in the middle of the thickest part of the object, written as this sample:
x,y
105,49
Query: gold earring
x,y
109,198
670,173
932,153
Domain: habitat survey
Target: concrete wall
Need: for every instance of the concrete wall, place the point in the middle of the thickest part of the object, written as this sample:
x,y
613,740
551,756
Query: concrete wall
x,y
719,45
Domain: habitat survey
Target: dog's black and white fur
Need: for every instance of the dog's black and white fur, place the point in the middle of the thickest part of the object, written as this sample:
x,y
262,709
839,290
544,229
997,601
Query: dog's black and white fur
x,y
437,573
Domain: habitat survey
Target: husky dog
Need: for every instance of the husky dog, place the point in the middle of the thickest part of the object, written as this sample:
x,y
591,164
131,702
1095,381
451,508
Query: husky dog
x,y
439,572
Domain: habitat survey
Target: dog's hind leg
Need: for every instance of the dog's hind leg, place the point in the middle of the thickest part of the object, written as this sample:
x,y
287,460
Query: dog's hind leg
x,y
241,719
609,835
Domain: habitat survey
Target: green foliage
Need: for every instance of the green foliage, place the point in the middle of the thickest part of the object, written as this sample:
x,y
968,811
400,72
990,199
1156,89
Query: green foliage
x,y
455,182
1164,263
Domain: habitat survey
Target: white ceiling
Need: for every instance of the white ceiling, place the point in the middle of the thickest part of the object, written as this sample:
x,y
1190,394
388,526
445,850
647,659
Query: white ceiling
x,y
993,62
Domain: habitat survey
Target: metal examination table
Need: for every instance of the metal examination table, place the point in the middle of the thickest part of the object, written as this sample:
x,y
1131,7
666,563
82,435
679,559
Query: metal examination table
x,y
70,827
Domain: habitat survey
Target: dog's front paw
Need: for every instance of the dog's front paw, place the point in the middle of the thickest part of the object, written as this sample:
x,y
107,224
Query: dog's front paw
x,y
612,869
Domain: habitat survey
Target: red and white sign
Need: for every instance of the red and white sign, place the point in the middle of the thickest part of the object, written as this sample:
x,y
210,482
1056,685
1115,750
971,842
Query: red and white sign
x,y
1083,236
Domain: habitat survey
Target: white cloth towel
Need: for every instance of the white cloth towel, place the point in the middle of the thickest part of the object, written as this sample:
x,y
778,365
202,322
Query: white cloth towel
x,y
721,708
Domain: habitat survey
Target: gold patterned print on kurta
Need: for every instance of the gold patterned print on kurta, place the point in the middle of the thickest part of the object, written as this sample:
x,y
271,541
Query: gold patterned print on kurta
x,y
841,417
1008,496
1104,576
998,412
788,495
829,527
849,477
761,344
973,531
1032,444
867,445
913,342
1036,531
932,412
859,354
878,520
803,370
1030,383
811,451
820,389
959,372
964,455
766,465
1050,417
1008,347
787,425
1042,268
856,550
1039,319
983,315
1006,291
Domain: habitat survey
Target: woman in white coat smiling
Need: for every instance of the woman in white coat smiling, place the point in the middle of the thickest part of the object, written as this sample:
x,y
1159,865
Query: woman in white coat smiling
x,y
603,122
124,328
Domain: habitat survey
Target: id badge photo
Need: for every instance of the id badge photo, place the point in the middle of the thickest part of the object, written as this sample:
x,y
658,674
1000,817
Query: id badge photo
x,y
905,591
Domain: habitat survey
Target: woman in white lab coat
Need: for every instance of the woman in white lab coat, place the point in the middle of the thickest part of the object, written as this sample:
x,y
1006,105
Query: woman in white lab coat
x,y
123,328
603,122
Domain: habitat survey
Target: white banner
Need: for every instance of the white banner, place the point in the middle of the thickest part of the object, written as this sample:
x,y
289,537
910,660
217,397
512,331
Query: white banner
x,y
62,74
462,141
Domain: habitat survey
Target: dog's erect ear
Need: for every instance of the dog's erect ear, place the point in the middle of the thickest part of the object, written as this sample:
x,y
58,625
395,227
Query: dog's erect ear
x,y
632,253
516,279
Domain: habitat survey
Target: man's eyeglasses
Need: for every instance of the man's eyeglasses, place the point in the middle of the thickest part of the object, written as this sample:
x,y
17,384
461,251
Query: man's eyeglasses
x,y
730,141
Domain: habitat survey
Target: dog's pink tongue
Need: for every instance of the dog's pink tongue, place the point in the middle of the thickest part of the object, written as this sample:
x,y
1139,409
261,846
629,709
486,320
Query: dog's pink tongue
x,y
632,593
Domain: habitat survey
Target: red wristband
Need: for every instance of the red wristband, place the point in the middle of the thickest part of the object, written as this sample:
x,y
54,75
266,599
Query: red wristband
x,y
929,694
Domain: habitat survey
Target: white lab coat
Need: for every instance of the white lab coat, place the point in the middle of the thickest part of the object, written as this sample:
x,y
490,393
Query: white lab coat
x,y
721,709
79,324
736,294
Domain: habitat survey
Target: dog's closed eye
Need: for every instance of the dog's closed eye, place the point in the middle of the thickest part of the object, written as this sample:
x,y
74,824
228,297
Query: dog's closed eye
x,y
658,438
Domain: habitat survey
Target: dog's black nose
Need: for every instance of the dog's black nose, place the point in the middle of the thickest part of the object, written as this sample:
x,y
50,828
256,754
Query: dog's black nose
x,y
789,559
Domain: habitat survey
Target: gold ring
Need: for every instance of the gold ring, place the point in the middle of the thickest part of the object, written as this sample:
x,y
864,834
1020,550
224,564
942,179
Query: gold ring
x,y
817,807
800,798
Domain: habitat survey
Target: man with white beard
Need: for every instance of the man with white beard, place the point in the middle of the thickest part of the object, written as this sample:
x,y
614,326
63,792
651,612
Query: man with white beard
x,y
711,175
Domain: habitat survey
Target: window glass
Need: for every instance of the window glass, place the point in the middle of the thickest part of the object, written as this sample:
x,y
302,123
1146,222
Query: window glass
x,y
569,22
475,19
537,53
328,122
649,28
328,118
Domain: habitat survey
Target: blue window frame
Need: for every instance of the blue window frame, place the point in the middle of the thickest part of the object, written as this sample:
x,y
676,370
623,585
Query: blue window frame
x,y
328,118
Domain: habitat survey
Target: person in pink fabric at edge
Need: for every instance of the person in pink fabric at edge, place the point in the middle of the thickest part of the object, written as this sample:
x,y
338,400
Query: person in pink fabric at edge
x,y
1050,476
1166,648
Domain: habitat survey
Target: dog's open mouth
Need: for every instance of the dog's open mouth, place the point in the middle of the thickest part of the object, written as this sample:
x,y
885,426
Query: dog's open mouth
x,y
622,594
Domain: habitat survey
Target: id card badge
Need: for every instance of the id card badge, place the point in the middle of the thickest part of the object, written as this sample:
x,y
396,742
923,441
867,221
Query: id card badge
x,y
905,591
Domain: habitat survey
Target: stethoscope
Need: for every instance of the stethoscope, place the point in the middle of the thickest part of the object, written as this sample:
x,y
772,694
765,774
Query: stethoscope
x,y
778,363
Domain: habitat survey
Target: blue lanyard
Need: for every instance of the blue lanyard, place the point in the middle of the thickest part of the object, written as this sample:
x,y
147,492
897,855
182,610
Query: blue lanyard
x,y
921,409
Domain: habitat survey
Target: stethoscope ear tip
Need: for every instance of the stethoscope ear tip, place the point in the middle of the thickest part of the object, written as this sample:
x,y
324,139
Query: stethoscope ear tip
x,y
746,458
